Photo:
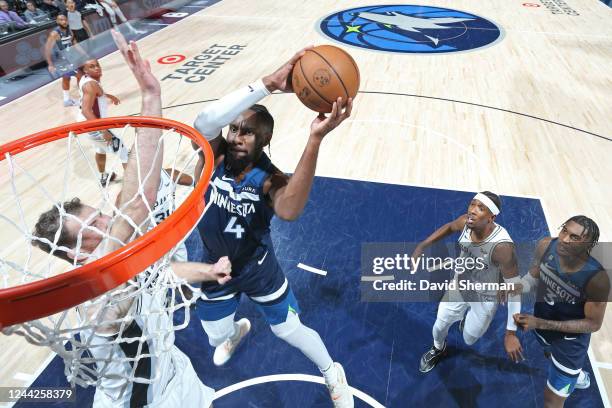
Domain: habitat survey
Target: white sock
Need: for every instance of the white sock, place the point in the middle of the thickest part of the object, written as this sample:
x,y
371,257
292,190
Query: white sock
x,y
236,334
581,377
439,332
66,95
305,339
220,330
330,374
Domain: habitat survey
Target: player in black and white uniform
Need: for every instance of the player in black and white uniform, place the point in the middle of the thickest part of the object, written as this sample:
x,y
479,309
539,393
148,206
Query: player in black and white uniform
x,y
572,293
168,378
490,244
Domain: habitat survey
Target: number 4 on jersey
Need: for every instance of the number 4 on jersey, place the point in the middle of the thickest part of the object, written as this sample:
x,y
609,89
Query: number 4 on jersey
x,y
234,228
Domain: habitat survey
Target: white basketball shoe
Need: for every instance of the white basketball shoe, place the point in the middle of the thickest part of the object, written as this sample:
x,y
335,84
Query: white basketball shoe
x,y
224,352
340,393
584,380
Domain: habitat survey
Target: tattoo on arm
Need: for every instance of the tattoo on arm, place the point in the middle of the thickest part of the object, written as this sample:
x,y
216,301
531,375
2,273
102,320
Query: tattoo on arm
x,y
569,326
593,317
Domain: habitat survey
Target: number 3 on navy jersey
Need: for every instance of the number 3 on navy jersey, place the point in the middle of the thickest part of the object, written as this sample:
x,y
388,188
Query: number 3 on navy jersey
x,y
234,228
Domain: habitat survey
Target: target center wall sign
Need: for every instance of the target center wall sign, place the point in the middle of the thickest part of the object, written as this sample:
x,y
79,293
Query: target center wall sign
x,y
202,65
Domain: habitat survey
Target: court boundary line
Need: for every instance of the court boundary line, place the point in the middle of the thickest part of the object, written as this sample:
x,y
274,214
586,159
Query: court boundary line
x,y
437,98
291,377
607,366
422,185
603,392
312,269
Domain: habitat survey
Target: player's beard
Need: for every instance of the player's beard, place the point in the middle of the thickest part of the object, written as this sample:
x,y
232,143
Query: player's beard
x,y
236,165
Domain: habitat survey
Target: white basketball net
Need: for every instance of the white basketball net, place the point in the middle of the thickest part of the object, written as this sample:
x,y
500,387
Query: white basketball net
x,y
123,336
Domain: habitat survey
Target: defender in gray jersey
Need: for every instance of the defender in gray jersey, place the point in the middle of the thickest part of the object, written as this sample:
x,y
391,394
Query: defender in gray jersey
x,y
169,379
492,250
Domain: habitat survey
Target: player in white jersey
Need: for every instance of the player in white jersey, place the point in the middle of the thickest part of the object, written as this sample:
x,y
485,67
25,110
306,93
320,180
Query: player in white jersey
x,y
170,378
175,381
94,105
165,204
493,257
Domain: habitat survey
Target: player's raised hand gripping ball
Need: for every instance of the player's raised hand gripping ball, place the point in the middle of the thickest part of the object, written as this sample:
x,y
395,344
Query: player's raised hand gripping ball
x,y
322,75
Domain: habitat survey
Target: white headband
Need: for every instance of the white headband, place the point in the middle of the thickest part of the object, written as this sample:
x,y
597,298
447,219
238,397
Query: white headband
x,y
488,202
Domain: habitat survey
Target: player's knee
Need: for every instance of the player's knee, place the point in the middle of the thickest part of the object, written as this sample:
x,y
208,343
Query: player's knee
x,y
441,323
469,339
285,329
441,326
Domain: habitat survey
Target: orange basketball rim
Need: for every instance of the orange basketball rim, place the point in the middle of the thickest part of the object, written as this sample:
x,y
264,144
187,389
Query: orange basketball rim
x,y
60,292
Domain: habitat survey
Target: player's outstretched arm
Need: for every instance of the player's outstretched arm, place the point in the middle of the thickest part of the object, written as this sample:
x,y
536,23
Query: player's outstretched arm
x,y
215,116
442,232
202,272
289,199
280,80
145,159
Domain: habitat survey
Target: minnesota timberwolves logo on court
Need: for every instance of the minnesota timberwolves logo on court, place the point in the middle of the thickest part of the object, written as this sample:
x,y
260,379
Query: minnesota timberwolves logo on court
x,y
410,29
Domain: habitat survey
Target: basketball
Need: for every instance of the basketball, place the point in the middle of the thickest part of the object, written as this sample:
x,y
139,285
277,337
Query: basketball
x,y
322,75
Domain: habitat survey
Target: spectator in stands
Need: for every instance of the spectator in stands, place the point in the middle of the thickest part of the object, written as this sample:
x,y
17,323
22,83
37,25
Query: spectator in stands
x,y
18,6
79,27
61,4
92,5
80,4
50,7
33,14
10,17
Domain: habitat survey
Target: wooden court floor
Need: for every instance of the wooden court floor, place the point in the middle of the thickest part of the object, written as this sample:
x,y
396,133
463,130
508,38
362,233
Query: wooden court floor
x,y
527,116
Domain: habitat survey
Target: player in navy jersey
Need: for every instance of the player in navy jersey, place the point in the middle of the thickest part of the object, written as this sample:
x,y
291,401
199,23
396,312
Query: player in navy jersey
x,y
572,293
57,49
245,192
